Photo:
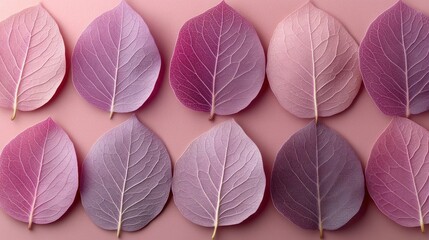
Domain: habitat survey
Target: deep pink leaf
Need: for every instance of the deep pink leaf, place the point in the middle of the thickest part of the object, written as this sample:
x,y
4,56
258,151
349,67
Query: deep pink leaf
x,y
313,66
219,180
398,171
218,64
116,62
38,174
126,178
32,59
317,180
394,58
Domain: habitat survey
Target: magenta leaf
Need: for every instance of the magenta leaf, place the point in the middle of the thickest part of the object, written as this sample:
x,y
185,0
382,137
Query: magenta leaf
x,y
219,180
116,62
32,60
398,171
126,178
38,174
313,66
394,57
317,180
218,65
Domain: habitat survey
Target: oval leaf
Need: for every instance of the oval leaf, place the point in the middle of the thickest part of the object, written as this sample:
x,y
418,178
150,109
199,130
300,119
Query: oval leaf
x,y
219,180
398,171
394,58
317,180
116,62
32,60
126,178
313,66
218,65
38,174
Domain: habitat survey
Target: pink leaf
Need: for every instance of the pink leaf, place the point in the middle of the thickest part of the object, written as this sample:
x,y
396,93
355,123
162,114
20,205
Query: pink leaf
x,y
116,62
126,178
38,174
394,58
317,180
32,59
218,64
219,180
313,65
398,171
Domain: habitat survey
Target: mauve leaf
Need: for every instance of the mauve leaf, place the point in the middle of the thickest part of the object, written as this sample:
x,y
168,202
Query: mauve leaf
x,y
313,66
32,60
218,65
126,178
394,61
317,180
219,180
397,173
38,174
116,62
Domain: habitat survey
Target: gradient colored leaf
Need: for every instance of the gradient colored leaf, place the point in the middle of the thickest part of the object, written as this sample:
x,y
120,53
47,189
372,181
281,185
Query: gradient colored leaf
x,y
219,180
317,180
126,178
116,62
38,174
394,60
218,65
313,66
398,171
32,60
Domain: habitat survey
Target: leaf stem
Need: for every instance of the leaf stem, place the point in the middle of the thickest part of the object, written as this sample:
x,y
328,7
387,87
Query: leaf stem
x,y
422,225
118,232
30,223
111,114
13,113
214,231
320,231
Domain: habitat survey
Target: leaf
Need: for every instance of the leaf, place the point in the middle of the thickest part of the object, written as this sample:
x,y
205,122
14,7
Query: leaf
x,y
397,173
218,65
126,178
116,63
317,180
32,60
219,180
313,66
394,58
38,174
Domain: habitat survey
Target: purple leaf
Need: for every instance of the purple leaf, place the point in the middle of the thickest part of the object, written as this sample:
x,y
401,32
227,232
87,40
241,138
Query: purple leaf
x,y
398,171
38,174
126,178
313,66
116,62
394,58
317,180
218,64
32,60
219,180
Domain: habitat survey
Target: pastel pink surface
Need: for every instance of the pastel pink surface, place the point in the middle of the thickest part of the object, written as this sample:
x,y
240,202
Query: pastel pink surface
x,y
264,121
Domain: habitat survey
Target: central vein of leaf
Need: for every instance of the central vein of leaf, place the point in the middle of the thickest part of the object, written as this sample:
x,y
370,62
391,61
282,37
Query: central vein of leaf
x,y
219,197
212,110
115,79
316,112
124,185
319,207
21,72
407,91
36,188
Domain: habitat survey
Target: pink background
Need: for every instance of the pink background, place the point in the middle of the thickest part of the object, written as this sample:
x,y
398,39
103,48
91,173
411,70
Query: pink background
x,y
264,120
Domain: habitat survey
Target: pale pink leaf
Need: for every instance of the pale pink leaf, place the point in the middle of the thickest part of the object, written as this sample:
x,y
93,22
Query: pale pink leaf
x,y
313,66
32,59
398,171
38,174
219,180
